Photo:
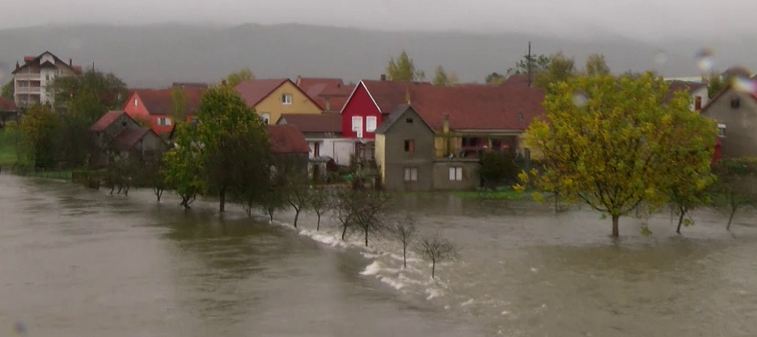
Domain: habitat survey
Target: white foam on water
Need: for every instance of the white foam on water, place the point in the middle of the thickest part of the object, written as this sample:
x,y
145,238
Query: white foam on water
x,y
467,303
372,269
394,283
433,293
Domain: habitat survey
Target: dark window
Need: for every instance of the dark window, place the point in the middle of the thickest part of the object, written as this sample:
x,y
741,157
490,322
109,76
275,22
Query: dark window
x,y
735,102
316,149
410,145
698,103
408,120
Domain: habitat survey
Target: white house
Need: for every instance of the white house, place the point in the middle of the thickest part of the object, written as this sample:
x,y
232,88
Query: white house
x,y
31,79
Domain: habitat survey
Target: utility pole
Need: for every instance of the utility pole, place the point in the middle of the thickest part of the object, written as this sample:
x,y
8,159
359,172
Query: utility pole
x,y
529,62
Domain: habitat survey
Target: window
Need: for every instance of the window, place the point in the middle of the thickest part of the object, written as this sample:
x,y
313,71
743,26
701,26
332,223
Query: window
x,y
721,130
409,120
265,117
411,174
370,123
357,126
698,103
410,146
316,149
286,99
136,102
455,174
164,121
735,102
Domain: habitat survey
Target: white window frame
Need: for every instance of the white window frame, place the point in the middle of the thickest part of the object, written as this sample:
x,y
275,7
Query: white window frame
x,y
136,102
287,99
456,173
721,130
164,121
370,123
411,174
266,118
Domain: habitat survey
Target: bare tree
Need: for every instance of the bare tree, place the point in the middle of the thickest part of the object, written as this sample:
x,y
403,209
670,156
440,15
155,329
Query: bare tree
x,y
403,229
437,249
362,211
318,200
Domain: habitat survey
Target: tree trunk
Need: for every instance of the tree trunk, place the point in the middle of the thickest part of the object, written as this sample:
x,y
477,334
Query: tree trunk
x,y
296,216
318,225
433,269
366,237
615,229
730,218
270,214
222,199
344,231
680,220
404,254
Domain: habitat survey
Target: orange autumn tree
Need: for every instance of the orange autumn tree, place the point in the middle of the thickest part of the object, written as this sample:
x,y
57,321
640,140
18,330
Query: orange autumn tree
x,y
615,142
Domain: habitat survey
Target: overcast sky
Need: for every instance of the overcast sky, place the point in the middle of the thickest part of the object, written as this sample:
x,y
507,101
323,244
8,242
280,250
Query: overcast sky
x,y
646,19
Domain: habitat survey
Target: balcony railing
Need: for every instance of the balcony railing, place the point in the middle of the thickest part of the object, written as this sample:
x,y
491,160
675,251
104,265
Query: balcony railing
x,y
29,90
27,76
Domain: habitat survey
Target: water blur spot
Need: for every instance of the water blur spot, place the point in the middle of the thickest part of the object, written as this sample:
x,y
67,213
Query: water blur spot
x,y
580,99
660,58
505,312
19,328
534,270
744,85
705,60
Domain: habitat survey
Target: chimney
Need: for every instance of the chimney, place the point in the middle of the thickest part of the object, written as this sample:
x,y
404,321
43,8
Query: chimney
x,y
383,77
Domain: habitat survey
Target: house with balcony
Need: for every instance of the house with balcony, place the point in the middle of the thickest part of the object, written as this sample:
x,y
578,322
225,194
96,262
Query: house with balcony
x,y
157,108
271,98
32,79
434,141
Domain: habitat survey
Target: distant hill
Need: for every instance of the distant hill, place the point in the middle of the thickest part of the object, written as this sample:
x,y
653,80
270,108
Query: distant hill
x,y
156,55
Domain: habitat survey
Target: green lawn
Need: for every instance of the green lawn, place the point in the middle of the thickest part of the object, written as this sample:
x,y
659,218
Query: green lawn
x,y
504,193
8,156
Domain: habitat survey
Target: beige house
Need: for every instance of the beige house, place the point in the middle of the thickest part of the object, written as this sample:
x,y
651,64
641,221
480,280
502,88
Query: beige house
x,y
275,97
31,80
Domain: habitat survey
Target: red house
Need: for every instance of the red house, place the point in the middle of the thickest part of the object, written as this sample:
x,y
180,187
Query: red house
x,y
370,103
156,106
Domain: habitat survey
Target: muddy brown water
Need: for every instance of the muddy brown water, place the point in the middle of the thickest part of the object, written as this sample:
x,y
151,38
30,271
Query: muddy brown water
x,y
77,262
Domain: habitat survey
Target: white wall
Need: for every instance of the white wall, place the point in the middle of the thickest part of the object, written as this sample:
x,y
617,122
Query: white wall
x,y
339,149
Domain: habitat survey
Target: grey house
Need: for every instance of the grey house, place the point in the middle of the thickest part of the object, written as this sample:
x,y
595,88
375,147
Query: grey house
x,y
735,112
405,156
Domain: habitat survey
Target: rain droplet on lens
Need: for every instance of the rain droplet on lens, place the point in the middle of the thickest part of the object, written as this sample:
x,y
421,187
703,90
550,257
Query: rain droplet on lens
x,y
579,99
705,60
19,328
660,58
743,85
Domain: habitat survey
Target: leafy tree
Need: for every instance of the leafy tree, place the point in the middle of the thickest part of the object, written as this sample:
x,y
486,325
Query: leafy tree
x,y
596,65
442,79
735,187
619,148
233,79
437,249
152,174
184,166
495,78
403,230
403,69
38,127
497,168
559,69
229,130
319,199
8,90
534,64
715,84
179,102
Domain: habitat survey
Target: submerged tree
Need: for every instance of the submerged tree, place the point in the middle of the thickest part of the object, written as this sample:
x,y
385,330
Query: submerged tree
x,y
38,127
361,211
437,249
735,187
319,199
403,69
184,166
617,146
403,230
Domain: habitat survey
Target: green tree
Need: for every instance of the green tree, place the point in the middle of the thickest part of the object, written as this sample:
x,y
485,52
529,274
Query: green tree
x,y
620,148
179,102
233,79
530,63
38,128
184,165
497,168
596,65
8,90
495,78
715,84
735,187
442,79
229,130
559,69
403,69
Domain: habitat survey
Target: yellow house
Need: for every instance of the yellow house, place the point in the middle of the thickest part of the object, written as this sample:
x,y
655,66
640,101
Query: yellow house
x,y
274,97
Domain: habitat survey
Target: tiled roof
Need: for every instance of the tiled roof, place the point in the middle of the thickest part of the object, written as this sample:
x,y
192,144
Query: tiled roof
x,y
330,93
687,86
254,91
128,137
32,59
286,139
160,101
106,120
7,105
327,122
468,106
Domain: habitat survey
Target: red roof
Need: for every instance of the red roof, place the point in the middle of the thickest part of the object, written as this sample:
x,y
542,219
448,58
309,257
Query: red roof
x,y
327,122
160,101
330,93
286,139
7,105
468,106
106,120
35,59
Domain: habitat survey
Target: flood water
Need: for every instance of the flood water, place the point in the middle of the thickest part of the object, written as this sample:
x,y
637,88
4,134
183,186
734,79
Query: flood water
x,y
77,262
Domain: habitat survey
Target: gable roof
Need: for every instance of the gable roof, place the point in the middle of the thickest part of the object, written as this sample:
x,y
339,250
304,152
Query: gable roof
x,y
388,95
160,101
286,139
255,91
330,93
722,93
7,104
397,115
28,60
129,137
326,122
106,120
